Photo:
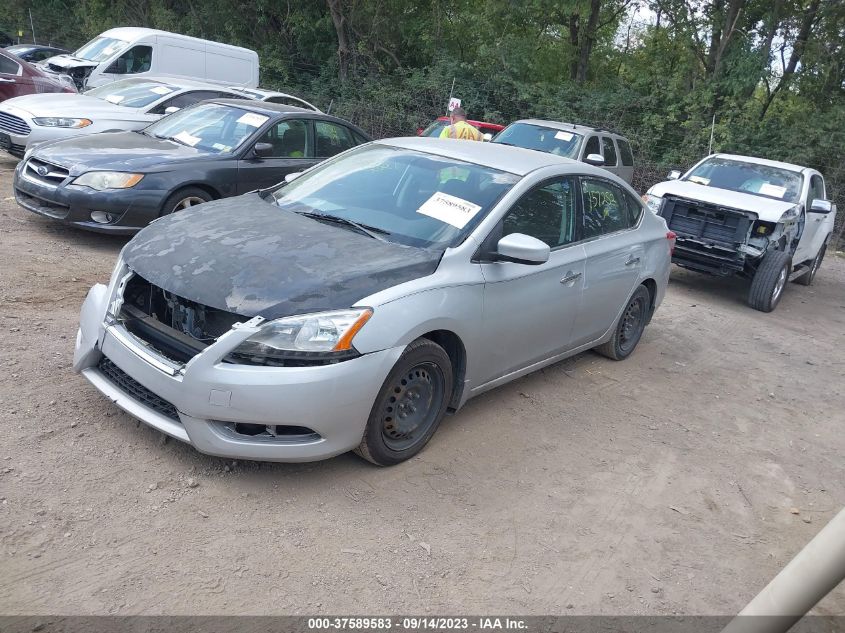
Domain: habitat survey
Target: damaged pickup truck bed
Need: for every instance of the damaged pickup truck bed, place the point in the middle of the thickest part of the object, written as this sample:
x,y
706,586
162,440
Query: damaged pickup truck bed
x,y
763,220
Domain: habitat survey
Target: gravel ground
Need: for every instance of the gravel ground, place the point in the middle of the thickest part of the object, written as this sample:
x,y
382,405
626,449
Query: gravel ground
x,y
678,481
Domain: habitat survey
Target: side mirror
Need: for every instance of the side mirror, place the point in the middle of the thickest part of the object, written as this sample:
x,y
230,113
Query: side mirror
x,y
487,137
262,150
171,109
522,249
594,159
674,174
821,206
293,176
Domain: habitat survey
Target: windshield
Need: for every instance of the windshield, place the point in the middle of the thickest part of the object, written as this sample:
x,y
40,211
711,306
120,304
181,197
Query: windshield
x,y
758,180
210,127
132,93
543,139
406,196
99,49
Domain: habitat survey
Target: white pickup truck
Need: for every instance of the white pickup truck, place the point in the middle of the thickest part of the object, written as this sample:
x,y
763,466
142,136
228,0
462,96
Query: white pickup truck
x,y
738,215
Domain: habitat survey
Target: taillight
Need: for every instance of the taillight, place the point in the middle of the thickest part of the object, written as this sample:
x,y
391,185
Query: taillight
x,y
671,236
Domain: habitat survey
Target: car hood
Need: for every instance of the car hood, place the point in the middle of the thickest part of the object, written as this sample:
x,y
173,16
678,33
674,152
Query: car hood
x,y
72,105
69,61
246,255
767,209
118,151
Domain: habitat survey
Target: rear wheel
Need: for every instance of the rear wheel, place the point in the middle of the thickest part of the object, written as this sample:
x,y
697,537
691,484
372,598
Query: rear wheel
x,y
629,328
806,280
410,405
184,199
769,281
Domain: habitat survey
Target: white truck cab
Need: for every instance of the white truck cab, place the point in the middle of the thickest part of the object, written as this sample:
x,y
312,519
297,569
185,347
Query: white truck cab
x,y
765,220
136,52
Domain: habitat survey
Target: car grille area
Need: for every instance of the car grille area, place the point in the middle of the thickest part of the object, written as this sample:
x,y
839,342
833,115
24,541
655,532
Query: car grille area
x,y
13,124
46,173
136,390
704,222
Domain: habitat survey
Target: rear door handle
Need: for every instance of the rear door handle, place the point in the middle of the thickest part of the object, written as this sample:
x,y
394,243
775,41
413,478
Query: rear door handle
x,y
570,276
632,260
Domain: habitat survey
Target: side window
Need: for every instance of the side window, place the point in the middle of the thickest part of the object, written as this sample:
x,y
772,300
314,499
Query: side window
x,y
816,190
332,139
609,151
605,210
288,138
137,59
635,208
546,212
592,146
185,99
625,152
9,66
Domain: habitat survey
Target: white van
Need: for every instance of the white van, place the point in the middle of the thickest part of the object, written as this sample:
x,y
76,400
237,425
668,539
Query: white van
x,y
136,52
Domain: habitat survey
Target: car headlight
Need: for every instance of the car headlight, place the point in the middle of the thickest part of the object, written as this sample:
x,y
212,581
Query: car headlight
x,y
653,202
305,339
61,121
101,180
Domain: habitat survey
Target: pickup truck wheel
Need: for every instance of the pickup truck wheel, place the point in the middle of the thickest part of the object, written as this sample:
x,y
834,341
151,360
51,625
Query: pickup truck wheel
x,y
630,326
769,281
410,405
806,280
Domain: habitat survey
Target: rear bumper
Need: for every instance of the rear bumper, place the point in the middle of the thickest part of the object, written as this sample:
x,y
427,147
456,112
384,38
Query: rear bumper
x,y
209,397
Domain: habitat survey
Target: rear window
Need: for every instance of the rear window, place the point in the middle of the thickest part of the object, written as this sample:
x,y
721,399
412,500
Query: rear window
x,y
625,152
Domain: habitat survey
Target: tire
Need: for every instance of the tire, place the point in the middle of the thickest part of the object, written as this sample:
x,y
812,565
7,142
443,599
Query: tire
x,y
184,199
807,280
423,374
629,328
769,281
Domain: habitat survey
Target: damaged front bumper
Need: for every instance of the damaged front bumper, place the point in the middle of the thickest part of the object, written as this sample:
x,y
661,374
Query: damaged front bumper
x,y
207,402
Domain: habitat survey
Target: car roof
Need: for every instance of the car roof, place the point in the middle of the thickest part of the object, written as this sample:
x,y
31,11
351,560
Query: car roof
x,y
265,107
177,82
264,93
760,161
476,123
515,160
568,127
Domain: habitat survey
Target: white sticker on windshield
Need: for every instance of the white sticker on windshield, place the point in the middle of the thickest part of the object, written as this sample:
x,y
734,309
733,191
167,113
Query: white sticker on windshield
x,y
114,98
563,136
701,180
252,119
161,90
769,189
449,209
187,139
222,148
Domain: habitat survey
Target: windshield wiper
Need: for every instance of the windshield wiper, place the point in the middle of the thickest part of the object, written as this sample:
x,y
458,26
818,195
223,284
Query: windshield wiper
x,y
371,231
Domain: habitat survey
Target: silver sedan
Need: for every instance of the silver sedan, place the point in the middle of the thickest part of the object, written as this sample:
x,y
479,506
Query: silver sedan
x,y
351,307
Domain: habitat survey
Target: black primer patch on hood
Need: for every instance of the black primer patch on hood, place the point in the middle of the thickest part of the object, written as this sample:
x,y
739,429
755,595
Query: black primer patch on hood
x,y
246,255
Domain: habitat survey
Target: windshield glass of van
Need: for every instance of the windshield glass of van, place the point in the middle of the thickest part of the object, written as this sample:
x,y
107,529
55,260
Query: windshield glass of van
x,y
758,180
401,195
210,127
543,139
132,93
100,49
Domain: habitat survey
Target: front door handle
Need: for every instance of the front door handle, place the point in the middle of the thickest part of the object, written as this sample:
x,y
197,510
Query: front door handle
x,y
570,276
632,260
6,81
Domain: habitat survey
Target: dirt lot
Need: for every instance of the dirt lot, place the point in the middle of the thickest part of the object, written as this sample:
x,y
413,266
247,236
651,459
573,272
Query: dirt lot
x,y
679,481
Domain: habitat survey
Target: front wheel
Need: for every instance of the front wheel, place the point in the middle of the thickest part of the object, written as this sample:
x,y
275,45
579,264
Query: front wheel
x,y
769,281
184,199
629,328
410,405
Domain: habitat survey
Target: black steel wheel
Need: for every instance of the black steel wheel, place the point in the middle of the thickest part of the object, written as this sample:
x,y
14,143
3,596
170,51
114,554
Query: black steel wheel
x,y
410,405
629,328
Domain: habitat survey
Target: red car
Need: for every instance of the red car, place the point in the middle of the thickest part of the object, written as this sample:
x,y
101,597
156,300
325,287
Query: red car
x,y
18,77
437,127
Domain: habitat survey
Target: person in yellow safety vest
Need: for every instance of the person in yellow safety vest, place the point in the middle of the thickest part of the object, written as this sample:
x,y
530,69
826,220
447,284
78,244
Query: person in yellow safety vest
x,y
460,129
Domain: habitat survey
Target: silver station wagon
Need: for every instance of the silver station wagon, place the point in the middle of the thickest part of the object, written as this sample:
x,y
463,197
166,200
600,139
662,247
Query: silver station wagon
x,y
354,305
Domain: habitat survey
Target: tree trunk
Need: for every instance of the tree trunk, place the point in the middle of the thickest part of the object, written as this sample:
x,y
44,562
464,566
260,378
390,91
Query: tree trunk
x,y
574,28
587,39
343,48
